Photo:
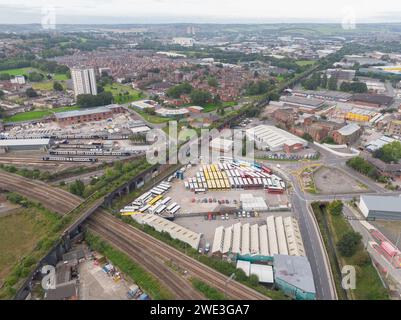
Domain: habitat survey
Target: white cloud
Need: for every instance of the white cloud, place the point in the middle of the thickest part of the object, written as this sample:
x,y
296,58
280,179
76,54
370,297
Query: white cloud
x,y
214,9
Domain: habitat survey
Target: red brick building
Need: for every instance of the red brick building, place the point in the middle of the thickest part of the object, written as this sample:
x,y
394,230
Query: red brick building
x,y
88,115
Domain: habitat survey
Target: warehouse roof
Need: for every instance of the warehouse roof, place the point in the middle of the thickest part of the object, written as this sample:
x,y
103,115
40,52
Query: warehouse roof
x,y
228,236
274,137
349,129
176,231
23,142
373,98
218,240
324,94
84,112
307,102
294,270
382,203
236,247
264,272
171,112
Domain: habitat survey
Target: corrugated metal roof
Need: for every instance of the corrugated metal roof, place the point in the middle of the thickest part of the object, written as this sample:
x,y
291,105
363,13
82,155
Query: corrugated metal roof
x,y
218,240
23,142
228,237
236,248
245,239
281,239
263,241
255,239
382,203
294,270
264,272
271,232
176,231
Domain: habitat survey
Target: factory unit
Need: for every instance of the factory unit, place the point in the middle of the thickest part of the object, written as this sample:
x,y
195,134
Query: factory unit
x,y
293,275
380,207
273,139
174,230
360,115
259,243
306,104
263,272
347,134
88,115
24,145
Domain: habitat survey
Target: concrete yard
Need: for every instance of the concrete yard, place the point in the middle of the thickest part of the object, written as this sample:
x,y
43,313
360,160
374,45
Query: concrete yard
x,y
330,180
184,197
95,284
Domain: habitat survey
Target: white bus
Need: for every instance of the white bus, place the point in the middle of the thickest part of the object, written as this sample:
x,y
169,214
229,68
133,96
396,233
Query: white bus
x,y
171,206
174,210
160,209
144,208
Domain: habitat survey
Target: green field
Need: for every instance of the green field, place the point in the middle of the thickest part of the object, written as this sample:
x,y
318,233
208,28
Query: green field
x,y
37,114
151,118
19,234
303,63
47,85
20,71
212,106
25,71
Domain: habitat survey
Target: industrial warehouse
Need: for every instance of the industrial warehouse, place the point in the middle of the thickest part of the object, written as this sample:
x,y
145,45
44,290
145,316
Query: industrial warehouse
x,y
271,138
278,236
380,207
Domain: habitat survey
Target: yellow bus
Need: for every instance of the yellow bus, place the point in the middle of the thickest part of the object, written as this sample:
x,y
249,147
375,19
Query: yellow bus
x,y
154,200
132,213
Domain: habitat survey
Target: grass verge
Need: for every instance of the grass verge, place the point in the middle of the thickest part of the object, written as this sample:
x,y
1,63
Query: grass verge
x,y
208,291
368,282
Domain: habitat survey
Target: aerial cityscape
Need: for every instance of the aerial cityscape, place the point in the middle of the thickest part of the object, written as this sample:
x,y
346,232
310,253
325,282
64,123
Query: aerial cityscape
x,y
194,154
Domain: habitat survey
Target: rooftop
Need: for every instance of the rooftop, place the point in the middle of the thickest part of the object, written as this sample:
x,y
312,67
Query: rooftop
x,y
349,129
23,142
84,112
309,102
382,203
373,98
294,270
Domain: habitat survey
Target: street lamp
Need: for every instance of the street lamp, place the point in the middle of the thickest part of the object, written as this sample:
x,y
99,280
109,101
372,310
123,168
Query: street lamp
x,y
232,277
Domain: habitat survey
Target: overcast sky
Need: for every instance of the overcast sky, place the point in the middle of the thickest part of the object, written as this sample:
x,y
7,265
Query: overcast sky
x,y
143,11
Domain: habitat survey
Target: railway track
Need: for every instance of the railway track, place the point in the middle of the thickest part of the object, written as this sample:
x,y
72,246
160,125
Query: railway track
x,y
150,252
26,161
55,199
176,284
130,235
